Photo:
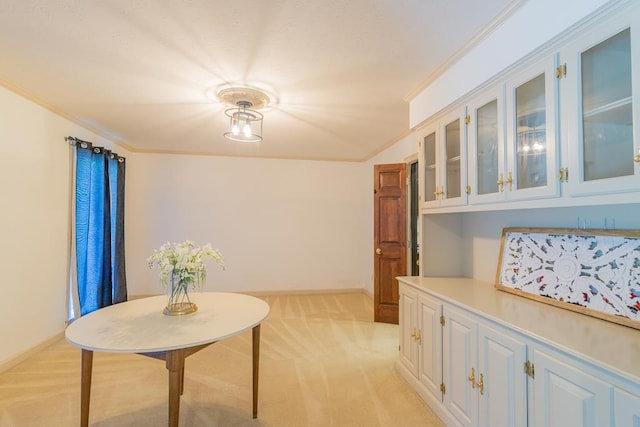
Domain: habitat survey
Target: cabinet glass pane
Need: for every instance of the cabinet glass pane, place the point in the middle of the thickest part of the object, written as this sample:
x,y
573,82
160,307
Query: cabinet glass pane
x,y
430,167
606,109
531,138
487,148
452,147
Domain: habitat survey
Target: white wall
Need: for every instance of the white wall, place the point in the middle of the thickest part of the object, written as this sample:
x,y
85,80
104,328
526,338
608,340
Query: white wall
x,y
34,222
536,22
482,231
280,224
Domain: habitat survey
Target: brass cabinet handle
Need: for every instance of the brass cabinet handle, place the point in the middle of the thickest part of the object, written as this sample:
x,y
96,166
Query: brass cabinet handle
x,y
418,336
500,182
510,181
636,158
472,378
379,251
481,384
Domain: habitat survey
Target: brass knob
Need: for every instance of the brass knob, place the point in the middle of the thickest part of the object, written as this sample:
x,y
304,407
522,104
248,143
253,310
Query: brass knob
x,y
500,182
379,251
636,158
472,378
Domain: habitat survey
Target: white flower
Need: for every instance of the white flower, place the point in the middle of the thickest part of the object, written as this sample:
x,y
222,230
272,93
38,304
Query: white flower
x,y
183,263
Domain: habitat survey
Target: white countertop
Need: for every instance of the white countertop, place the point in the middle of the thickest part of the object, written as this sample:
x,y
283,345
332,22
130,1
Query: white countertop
x,y
138,326
607,344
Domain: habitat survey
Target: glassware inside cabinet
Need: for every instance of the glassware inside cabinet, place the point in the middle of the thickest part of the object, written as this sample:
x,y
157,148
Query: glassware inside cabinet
x,y
487,147
531,143
430,167
607,116
452,147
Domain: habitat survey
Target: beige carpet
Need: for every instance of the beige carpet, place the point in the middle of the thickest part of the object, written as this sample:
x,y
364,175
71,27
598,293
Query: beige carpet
x,y
323,363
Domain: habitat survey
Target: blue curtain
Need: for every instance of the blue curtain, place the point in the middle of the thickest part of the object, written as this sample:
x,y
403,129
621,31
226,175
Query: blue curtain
x,y
99,227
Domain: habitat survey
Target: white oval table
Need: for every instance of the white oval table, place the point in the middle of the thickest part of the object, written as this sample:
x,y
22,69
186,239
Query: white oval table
x,y
138,326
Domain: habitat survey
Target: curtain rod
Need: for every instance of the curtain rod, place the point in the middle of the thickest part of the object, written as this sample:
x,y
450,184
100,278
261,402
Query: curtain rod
x,y
86,144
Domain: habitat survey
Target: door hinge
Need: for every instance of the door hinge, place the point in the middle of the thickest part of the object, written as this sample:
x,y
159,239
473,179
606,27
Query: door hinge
x,y
529,369
561,71
443,389
442,320
467,119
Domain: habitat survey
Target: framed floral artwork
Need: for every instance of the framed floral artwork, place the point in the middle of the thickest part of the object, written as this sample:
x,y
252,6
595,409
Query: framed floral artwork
x,y
594,272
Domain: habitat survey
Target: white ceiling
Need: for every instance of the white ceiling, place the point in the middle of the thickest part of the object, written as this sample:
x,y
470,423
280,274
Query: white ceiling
x,y
139,72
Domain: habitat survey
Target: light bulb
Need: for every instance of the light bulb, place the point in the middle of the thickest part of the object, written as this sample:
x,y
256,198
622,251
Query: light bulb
x,y
234,129
247,130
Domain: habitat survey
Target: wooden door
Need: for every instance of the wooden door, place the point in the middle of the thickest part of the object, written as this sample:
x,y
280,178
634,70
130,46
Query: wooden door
x,y
390,238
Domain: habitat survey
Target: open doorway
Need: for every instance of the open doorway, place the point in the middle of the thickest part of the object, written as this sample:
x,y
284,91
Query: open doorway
x,y
414,216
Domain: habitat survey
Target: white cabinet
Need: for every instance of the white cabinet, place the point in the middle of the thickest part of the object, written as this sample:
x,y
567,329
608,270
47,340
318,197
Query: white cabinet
x,y
564,395
602,82
485,383
487,149
558,129
627,409
421,339
430,342
474,369
513,143
459,360
501,357
408,306
532,143
443,155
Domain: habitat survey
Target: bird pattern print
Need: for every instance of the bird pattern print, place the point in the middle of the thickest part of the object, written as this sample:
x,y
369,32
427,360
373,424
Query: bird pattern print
x,y
599,272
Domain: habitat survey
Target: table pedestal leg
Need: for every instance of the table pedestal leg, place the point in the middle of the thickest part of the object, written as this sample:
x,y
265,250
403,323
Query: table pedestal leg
x,y
175,365
256,366
85,386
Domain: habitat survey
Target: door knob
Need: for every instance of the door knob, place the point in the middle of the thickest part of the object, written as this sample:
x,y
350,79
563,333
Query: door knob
x,y
379,251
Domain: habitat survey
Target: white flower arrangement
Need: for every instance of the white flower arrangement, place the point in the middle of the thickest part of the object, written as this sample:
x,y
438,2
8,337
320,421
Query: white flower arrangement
x,y
182,264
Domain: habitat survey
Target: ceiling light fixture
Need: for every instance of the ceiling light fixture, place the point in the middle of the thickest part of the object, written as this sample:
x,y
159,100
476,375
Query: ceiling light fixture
x,y
245,123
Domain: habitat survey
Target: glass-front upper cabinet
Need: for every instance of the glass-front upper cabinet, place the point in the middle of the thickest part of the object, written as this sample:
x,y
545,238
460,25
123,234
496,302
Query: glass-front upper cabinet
x,y
532,142
429,178
443,159
601,83
485,117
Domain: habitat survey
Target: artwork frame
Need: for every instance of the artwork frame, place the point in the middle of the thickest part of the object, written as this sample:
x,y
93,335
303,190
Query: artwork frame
x,y
595,272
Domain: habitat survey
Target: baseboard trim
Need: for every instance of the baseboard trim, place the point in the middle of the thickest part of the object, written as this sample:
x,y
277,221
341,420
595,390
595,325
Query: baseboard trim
x,y
283,292
303,292
432,402
10,363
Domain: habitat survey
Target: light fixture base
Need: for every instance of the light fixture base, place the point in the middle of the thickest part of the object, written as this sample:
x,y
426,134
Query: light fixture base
x,y
234,95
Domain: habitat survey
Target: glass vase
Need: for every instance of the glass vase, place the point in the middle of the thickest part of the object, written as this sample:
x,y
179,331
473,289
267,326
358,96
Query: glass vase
x,y
178,303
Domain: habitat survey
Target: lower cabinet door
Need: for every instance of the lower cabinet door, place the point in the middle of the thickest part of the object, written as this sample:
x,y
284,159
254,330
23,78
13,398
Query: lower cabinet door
x,y
430,355
408,305
503,390
564,395
627,409
459,366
